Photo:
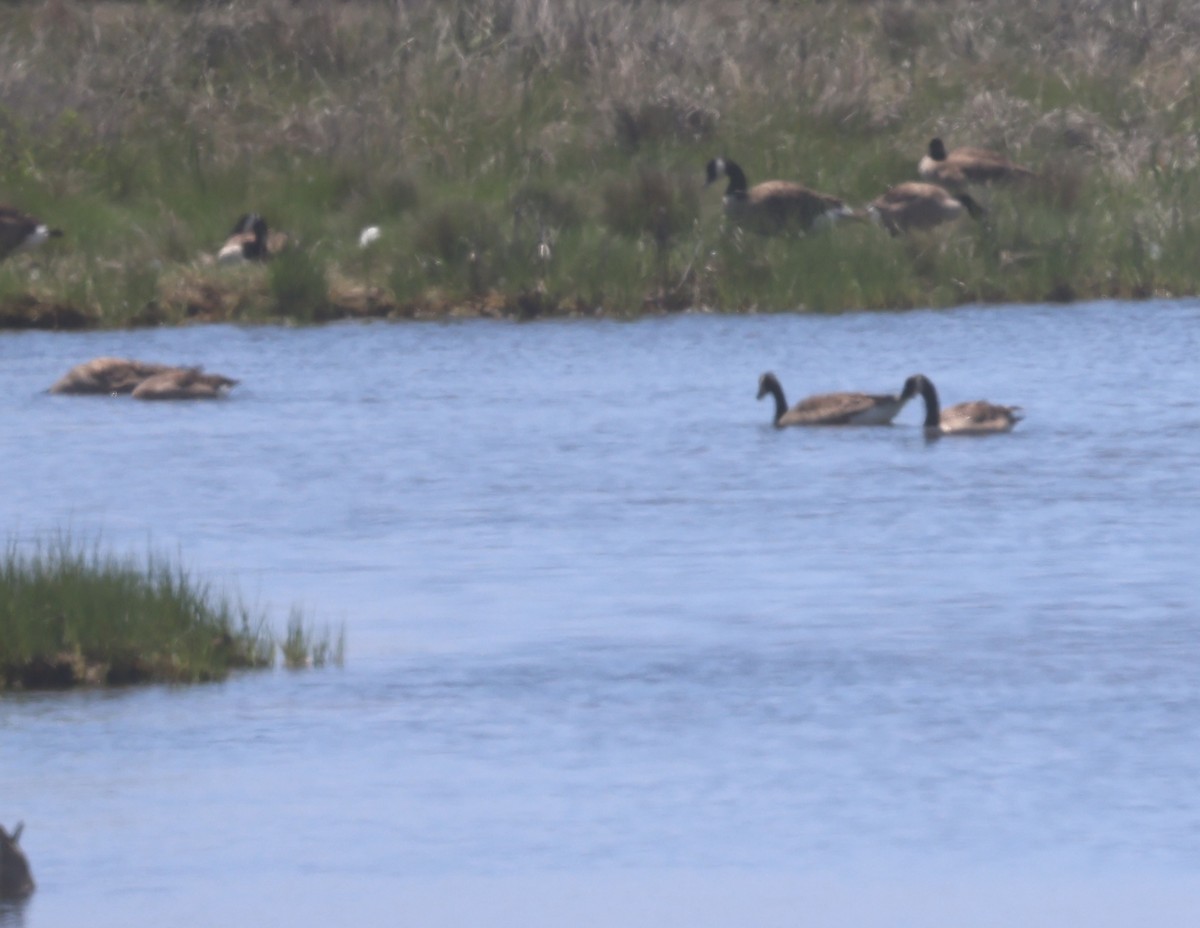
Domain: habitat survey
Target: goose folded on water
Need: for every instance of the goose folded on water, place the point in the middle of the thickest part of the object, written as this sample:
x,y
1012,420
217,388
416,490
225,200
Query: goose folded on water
x,y
836,408
917,205
977,417
16,880
961,167
774,205
20,231
183,383
106,375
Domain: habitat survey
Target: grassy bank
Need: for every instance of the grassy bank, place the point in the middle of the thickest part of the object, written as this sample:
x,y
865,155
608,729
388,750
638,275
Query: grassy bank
x,y
72,615
530,158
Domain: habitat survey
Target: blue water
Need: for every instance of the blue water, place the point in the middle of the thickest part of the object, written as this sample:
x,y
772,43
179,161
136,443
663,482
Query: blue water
x,y
618,652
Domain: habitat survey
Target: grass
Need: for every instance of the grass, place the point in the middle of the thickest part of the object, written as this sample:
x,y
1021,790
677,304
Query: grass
x,y
525,158
72,614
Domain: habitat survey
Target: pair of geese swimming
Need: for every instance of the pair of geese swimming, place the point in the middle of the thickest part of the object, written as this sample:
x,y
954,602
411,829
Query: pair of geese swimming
x,y
939,197
142,380
978,417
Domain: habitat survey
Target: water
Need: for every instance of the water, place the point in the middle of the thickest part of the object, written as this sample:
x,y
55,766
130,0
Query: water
x,y
620,653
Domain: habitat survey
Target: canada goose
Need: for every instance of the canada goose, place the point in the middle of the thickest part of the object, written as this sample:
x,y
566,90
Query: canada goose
x,y
106,375
19,231
836,408
978,417
250,240
774,205
16,881
183,383
963,166
916,205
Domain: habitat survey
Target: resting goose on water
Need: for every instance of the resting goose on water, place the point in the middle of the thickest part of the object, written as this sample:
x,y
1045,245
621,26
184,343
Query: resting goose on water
x,y
916,205
836,408
143,380
963,166
977,417
20,231
106,375
183,383
774,205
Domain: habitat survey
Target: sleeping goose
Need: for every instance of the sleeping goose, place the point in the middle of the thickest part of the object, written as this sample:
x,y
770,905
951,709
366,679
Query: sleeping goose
x,y
106,375
916,205
774,205
20,231
978,417
183,383
836,408
957,169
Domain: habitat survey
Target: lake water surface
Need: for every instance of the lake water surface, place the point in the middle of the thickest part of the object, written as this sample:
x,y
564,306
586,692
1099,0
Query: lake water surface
x,y
619,653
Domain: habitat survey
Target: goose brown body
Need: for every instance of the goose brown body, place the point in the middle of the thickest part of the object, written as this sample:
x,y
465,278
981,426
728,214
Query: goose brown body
x,y
835,408
916,205
106,375
977,417
962,167
774,206
183,383
19,231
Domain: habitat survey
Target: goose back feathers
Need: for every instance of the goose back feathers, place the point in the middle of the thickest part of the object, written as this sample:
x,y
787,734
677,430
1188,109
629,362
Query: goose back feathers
x,y
917,205
774,206
114,376
958,169
835,408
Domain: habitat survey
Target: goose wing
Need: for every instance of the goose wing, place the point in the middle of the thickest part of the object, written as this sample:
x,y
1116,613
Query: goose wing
x,y
106,375
842,409
979,416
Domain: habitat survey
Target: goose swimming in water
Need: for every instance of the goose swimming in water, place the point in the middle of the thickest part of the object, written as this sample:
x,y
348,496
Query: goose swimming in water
x,y
183,383
957,169
20,231
836,408
977,417
774,205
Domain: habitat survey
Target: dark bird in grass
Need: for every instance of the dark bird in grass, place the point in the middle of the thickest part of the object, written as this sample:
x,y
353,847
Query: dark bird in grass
x,y
20,231
958,169
774,206
836,408
250,240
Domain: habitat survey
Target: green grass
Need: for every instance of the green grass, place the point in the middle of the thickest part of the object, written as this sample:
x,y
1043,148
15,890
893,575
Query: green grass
x,y
474,132
72,614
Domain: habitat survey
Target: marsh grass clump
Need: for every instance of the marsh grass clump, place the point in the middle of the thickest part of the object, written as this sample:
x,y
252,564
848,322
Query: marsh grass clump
x,y
75,615
515,146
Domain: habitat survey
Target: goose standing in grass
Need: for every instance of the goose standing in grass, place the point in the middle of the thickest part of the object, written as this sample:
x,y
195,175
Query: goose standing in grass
x,y
774,205
917,205
957,169
978,417
20,231
183,383
250,240
836,408
106,375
